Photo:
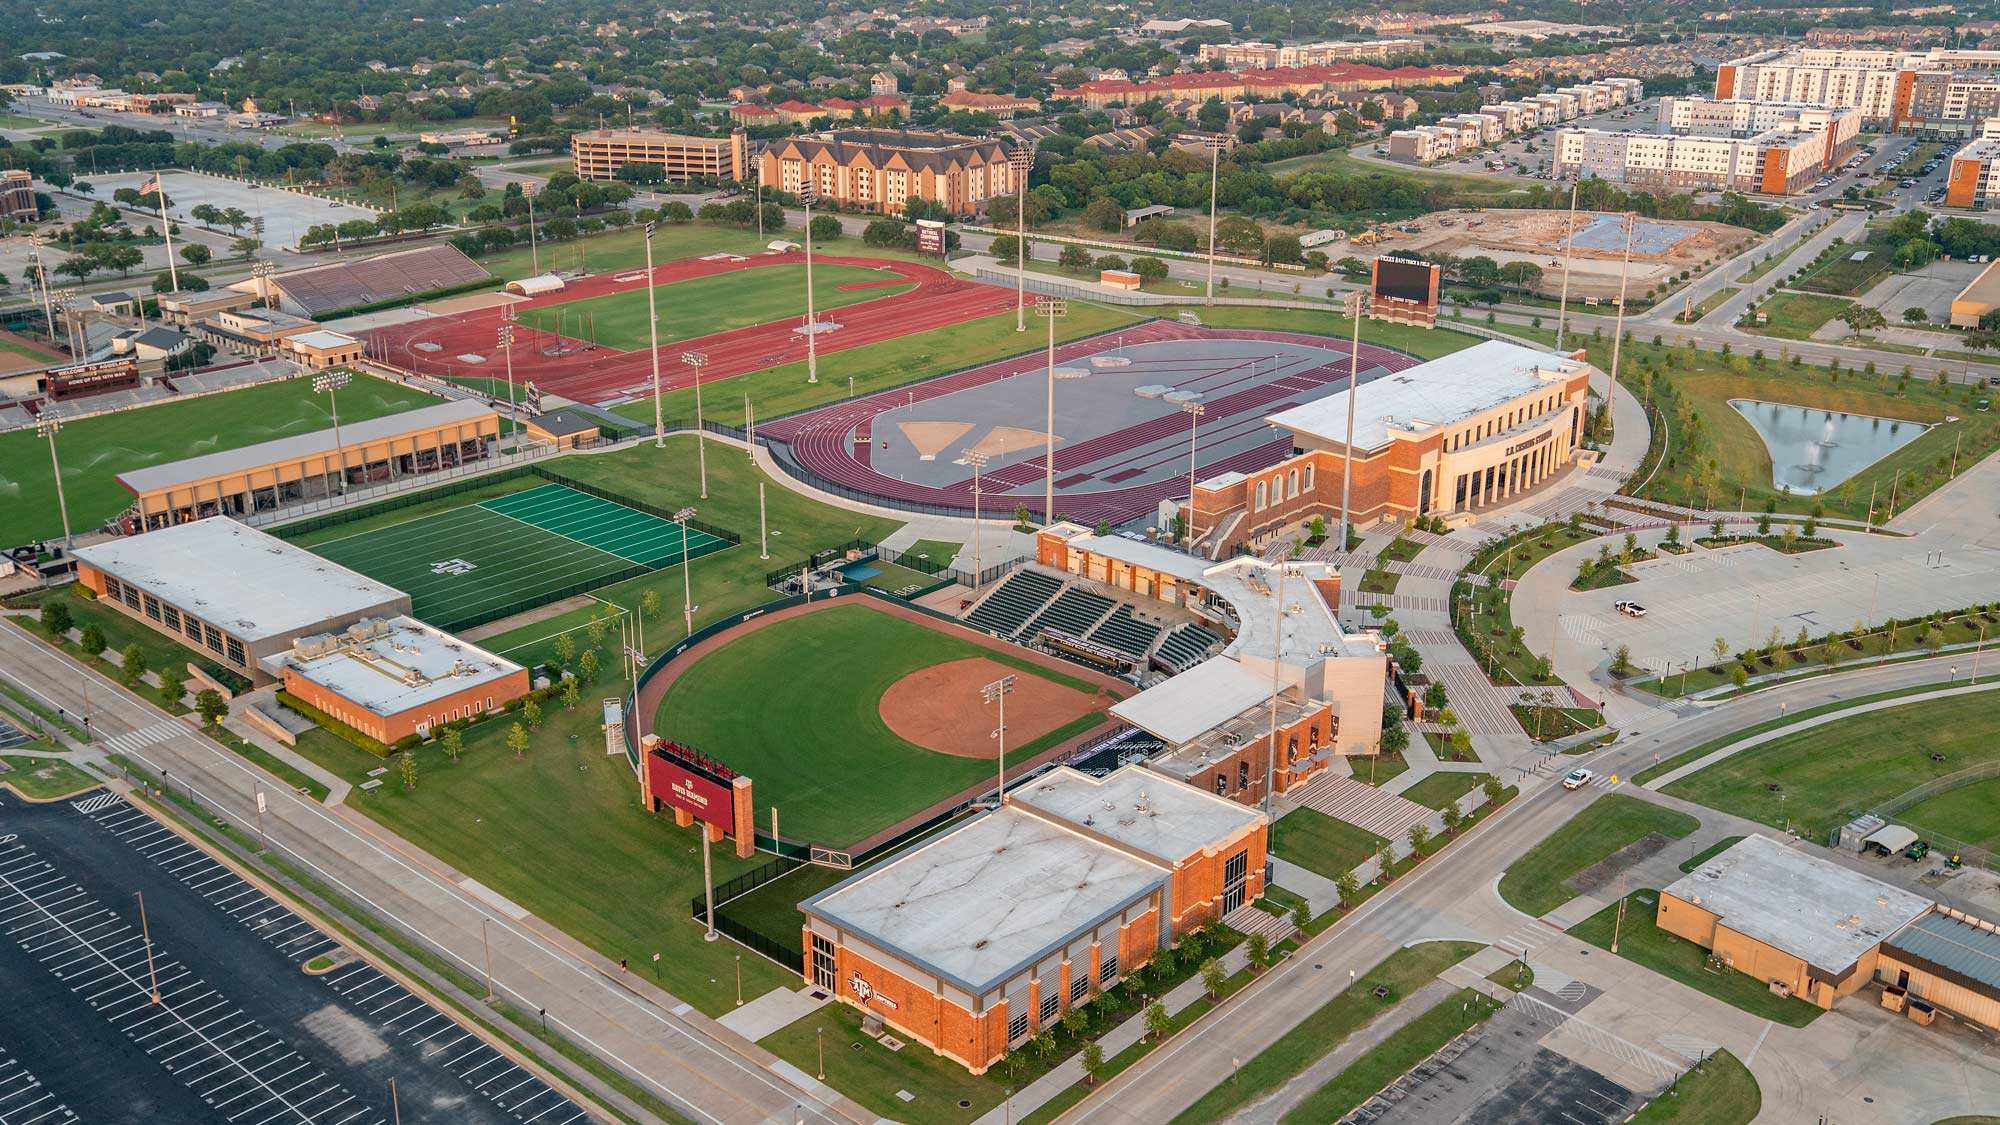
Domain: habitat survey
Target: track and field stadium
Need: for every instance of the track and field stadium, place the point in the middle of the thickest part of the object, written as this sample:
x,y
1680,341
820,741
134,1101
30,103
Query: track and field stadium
x,y
760,312
469,565
1122,437
853,751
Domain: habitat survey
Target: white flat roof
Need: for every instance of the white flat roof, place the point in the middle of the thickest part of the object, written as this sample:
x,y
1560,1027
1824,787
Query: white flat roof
x,y
321,338
1483,377
299,446
397,667
239,579
1141,809
1810,907
980,903
1193,702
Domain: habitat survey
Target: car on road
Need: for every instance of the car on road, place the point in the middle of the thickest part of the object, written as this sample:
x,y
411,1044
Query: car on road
x,y
1577,779
1630,608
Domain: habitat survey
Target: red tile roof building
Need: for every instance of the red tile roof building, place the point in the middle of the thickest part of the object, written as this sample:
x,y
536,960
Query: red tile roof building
x,y
880,169
1259,84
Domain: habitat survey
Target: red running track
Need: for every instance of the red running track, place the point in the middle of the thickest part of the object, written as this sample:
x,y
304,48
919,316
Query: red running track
x,y
822,442
939,300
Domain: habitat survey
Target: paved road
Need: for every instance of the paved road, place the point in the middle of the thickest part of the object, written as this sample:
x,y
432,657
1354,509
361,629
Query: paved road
x,y
685,1059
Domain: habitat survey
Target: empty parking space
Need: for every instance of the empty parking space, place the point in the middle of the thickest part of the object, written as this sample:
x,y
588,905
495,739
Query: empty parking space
x,y
24,1100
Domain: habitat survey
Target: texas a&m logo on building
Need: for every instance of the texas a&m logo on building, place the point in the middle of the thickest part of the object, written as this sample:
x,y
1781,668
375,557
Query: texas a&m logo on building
x,y
865,992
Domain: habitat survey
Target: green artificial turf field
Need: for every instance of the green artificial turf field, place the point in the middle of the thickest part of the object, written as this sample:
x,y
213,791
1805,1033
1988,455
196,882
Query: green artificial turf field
x,y
706,305
94,450
468,565
796,707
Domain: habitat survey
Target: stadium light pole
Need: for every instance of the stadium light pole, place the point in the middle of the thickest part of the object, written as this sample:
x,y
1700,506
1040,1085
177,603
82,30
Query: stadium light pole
x,y
1277,653
977,459
46,424
330,382
1618,326
1021,160
1569,250
699,360
687,585
653,328
528,192
1214,170
997,692
67,299
1051,308
1194,411
263,272
1357,307
38,240
807,193
506,340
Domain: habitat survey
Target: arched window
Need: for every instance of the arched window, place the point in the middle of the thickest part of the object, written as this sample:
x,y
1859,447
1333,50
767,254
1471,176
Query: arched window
x,y
1291,484
1221,784
1263,492
1309,478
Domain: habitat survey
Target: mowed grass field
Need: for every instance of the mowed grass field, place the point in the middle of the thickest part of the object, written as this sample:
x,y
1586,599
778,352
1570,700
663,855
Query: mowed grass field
x,y
94,450
706,305
465,566
1818,779
796,706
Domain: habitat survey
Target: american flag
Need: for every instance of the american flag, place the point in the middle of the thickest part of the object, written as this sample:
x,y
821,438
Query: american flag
x,y
151,186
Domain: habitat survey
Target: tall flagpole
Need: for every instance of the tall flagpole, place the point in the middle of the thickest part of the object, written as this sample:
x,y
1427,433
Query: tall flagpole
x,y
167,232
653,324
1569,248
1618,331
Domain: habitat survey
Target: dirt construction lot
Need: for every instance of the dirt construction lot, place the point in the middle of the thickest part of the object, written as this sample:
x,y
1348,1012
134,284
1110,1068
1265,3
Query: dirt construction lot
x,y
1661,248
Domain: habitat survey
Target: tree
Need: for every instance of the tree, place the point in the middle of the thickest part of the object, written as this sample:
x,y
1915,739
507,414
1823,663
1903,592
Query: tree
x,y
1461,744
91,641
517,741
825,228
1149,270
531,711
209,704
1621,661
55,619
173,685
1213,977
1259,949
1007,249
1092,1058
1158,1022
407,769
565,648
1074,258
586,666
1738,675
570,694
1348,887
1493,790
1452,818
1420,838
1720,647
1915,314
1075,1021
1104,214
132,665
453,742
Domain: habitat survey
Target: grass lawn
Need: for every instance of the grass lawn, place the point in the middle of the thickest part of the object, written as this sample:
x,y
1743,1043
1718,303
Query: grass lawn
x,y
1711,302
1381,581
1811,659
797,706
1824,776
1710,852
1339,160
1714,744
1720,1091
1441,789
1351,1009
1386,1061
937,551
1424,343
705,305
44,779
1796,316
529,828
1535,883
1378,769
94,450
1644,943
1971,807
616,250
120,633
1321,844
22,348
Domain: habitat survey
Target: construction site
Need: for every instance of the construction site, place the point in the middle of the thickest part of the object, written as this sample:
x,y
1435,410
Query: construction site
x,y
1661,249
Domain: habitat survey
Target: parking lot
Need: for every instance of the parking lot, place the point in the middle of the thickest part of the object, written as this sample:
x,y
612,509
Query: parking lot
x,y
286,214
240,1032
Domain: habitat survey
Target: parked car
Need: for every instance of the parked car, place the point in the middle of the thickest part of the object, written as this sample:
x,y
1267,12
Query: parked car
x,y
1630,609
1577,779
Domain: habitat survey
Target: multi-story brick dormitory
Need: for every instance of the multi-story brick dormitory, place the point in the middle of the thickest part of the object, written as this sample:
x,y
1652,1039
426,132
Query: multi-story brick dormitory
x,y
882,169
1448,437
975,941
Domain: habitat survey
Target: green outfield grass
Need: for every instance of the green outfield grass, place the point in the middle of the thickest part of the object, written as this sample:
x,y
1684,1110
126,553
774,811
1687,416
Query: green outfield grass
x,y
464,566
706,305
94,450
796,706
17,347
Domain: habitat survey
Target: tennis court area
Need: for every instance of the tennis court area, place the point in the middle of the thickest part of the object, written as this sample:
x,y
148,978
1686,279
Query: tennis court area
x,y
484,561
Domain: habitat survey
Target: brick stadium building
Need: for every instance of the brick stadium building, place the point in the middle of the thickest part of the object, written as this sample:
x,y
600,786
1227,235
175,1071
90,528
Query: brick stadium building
x,y
1448,437
17,195
975,941
391,678
598,154
881,169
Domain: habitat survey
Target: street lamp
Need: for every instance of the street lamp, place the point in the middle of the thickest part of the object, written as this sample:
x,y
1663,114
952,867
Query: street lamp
x,y
699,360
1194,411
1021,160
1214,144
807,194
46,424
687,585
1052,308
327,383
977,459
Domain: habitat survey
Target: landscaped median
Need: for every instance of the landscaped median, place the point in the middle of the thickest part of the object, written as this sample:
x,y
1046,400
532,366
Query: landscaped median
x,y
1831,652
1393,1057
1535,883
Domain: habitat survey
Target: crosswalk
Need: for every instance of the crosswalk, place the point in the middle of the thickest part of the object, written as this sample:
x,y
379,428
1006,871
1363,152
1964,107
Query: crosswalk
x,y
1364,806
146,736
1411,602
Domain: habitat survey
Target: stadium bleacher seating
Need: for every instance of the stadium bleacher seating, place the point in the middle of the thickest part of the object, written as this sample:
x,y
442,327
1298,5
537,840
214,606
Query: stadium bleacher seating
x,y
1125,633
1017,599
1186,647
402,273
1075,612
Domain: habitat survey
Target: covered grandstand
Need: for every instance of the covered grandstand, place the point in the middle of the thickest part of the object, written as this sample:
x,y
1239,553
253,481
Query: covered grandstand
x,y
317,291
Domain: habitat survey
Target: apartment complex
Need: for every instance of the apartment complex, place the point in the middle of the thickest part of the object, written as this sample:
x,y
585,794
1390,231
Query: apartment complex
x,y
1937,92
1773,148
1490,124
1263,56
1258,85
881,169
598,154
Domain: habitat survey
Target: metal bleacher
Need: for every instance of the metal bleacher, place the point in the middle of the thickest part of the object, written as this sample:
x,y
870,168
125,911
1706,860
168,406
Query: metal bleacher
x,y
1014,602
1074,612
1186,647
1126,633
